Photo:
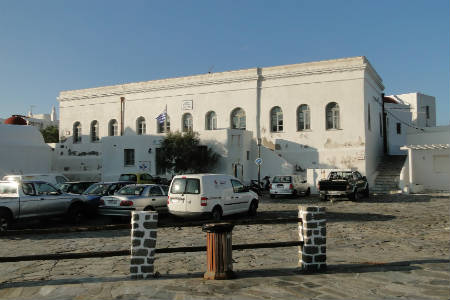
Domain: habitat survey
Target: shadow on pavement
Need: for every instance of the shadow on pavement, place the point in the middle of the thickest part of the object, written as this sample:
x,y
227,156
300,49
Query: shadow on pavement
x,y
367,267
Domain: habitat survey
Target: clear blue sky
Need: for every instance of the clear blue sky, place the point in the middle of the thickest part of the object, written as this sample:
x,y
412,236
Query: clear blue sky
x,y
50,46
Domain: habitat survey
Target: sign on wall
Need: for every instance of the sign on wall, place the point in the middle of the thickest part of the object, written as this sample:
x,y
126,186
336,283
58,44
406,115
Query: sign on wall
x,y
187,105
144,165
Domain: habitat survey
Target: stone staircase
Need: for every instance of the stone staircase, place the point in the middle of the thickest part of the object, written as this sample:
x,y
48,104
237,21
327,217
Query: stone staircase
x,y
388,174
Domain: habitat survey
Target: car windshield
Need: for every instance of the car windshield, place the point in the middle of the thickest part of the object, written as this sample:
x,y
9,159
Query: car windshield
x,y
128,177
340,175
282,179
63,187
97,189
131,190
8,189
185,186
165,189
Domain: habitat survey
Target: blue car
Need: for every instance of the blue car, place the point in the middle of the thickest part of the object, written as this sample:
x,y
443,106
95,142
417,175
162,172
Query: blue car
x,y
92,195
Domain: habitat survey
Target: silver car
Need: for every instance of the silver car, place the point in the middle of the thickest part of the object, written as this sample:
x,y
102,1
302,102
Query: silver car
x,y
134,197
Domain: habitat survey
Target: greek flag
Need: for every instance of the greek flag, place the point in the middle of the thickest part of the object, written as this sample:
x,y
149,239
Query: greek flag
x,y
162,117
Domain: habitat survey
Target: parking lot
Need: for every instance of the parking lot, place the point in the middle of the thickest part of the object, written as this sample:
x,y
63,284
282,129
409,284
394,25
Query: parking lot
x,y
387,246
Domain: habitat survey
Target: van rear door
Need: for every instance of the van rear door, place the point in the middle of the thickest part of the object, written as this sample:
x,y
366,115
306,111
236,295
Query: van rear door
x,y
184,194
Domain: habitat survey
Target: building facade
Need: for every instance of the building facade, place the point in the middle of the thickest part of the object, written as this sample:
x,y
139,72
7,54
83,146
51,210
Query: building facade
x,y
323,114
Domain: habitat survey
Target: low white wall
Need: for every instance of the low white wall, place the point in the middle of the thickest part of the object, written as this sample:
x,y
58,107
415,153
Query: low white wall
x,y
23,150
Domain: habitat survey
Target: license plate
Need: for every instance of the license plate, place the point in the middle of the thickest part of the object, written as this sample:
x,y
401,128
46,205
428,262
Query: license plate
x,y
112,202
280,185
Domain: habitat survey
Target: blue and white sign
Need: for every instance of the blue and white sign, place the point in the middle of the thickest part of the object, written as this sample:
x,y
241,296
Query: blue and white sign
x,y
258,161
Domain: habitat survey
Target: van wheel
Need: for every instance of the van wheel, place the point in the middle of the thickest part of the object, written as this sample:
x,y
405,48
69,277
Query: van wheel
x,y
75,213
5,221
252,209
217,213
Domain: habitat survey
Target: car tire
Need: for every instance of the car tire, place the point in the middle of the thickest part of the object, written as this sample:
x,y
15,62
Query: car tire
x,y
75,213
5,221
217,213
252,210
366,191
308,192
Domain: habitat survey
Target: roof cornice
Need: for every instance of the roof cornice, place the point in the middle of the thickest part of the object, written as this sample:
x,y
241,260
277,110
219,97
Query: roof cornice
x,y
284,71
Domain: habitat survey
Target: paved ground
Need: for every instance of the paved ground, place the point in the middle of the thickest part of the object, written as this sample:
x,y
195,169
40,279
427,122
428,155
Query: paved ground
x,y
387,247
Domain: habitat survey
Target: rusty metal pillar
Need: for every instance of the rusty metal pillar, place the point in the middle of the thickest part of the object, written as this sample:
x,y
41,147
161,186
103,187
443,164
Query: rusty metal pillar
x,y
218,251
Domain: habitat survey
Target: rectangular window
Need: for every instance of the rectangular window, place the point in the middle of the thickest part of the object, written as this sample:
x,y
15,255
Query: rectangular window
x,y
128,157
248,155
399,128
185,186
159,169
427,111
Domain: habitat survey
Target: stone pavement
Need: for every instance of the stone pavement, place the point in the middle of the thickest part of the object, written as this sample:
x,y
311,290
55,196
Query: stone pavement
x,y
385,247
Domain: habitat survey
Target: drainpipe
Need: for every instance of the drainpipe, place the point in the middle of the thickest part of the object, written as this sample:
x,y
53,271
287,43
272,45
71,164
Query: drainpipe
x,y
122,114
384,125
258,118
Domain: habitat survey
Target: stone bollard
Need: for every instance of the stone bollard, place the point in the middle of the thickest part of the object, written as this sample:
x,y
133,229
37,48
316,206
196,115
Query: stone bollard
x,y
313,232
143,243
219,251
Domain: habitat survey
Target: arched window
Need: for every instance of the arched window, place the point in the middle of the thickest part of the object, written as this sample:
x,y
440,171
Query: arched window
x,y
276,119
140,126
94,131
211,121
238,119
113,128
77,132
303,118
332,116
161,125
187,122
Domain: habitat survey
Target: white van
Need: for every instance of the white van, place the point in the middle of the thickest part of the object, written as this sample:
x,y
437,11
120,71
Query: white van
x,y
289,185
53,178
214,194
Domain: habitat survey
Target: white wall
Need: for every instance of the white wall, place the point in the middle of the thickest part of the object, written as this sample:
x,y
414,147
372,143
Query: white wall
x,y
401,114
23,150
113,155
418,103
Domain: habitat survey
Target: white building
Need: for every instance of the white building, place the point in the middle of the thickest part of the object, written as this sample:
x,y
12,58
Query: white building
x,y
427,166
311,115
42,121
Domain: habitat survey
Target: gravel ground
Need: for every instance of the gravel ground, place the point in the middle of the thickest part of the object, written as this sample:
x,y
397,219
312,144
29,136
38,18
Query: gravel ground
x,y
384,247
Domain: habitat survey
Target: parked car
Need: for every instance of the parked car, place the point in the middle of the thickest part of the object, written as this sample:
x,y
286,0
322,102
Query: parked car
x,y
75,187
350,184
139,178
216,195
53,178
35,199
134,197
289,185
91,196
